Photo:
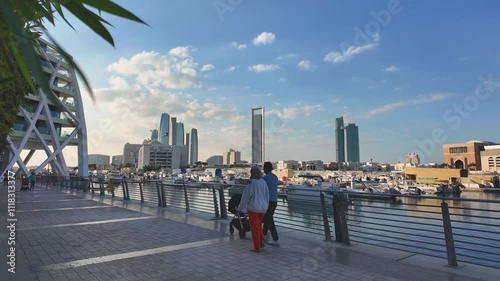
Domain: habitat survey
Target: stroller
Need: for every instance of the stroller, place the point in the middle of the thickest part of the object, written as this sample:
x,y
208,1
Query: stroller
x,y
240,220
25,184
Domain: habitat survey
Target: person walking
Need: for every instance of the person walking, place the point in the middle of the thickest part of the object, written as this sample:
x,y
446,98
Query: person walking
x,y
272,184
255,198
32,180
5,178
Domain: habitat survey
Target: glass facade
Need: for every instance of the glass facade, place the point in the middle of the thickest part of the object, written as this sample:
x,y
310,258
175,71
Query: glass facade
x,y
164,128
193,154
339,139
179,134
258,135
352,143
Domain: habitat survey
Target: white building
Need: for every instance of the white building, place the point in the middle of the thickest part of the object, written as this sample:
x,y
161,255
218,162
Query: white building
x,y
287,164
162,155
50,124
231,157
490,158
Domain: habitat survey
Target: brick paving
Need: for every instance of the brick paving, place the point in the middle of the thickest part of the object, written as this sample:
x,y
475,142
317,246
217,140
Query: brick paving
x,y
67,235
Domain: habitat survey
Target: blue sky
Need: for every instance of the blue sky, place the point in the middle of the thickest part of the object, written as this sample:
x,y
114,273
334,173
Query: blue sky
x,y
412,75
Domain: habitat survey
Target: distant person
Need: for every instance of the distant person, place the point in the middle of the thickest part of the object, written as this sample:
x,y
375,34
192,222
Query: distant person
x,y
32,180
255,198
272,184
5,178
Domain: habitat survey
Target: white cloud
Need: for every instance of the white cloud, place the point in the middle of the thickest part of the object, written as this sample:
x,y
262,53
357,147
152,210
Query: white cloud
x,y
286,56
395,105
237,45
295,112
349,52
304,65
232,68
207,67
264,38
211,89
391,68
176,70
263,67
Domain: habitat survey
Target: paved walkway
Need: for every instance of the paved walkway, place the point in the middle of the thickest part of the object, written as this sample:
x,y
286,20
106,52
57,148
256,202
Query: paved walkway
x,y
65,235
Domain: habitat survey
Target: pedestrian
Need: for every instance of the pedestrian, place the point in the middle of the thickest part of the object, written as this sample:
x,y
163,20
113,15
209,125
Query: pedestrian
x,y
32,180
272,184
255,198
5,178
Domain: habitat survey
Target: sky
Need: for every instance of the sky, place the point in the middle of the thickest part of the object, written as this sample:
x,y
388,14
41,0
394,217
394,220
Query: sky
x,y
413,75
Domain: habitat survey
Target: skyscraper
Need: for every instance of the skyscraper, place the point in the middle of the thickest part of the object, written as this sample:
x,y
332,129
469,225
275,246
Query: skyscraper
x,y
188,148
352,142
339,139
164,128
258,135
49,124
174,130
179,133
193,153
154,135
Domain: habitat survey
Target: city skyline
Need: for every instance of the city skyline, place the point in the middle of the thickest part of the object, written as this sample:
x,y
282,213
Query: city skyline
x,y
407,88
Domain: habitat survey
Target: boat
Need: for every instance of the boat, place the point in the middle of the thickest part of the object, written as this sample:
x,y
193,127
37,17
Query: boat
x,y
306,188
449,189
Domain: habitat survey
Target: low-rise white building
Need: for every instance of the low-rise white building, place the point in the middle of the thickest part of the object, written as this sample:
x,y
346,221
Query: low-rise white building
x,y
490,158
100,160
287,164
162,155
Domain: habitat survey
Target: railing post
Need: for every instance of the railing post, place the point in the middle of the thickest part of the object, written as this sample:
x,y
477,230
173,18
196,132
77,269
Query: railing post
x,y
216,206
222,203
448,235
101,187
326,224
340,222
110,184
140,190
159,194
163,196
186,198
126,188
123,188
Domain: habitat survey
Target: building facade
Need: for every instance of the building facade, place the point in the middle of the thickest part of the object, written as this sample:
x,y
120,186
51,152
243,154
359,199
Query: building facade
x,y
352,142
412,159
231,157
163,156
258,149
154,135
131,153
164,128
50,124
117,160
100,160
173,133
179,133
287,164
490,158
188,146
464,155
215,160
340,139
193,152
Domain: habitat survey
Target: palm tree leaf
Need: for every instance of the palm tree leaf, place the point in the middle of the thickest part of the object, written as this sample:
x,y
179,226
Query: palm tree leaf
x,y
114,9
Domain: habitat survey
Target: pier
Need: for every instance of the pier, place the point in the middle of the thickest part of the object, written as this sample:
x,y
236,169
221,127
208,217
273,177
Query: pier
x,y
67,234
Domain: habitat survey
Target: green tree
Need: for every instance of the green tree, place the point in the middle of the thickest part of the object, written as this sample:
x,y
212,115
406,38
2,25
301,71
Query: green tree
x,y
22,22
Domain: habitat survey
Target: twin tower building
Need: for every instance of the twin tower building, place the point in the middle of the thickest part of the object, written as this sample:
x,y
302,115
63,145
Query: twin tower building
x,y
346,138
171,129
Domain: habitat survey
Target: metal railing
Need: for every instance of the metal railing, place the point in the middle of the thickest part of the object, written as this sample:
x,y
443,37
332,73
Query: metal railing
x,y
457,229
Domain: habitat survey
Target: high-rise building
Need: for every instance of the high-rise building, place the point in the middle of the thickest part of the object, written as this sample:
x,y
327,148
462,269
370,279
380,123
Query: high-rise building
x,y
231,157
412,159
188,147
352,142
154,135
173,129
101,161
116,160
49,124
193,151
258,149
179,134
164,128
339,139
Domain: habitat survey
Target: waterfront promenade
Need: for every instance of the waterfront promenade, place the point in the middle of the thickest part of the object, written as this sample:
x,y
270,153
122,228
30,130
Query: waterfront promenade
x,y
70,235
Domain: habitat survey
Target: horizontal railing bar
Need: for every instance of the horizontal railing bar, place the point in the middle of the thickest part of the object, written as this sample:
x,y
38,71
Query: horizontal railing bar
x,y
407,228
393,220
409,246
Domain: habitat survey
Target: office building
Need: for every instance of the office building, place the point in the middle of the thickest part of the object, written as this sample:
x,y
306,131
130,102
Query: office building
x,y
130,153
164,128
231,157
163,156
101,161
339,139
117,160
412,159
188,148
154,135
49,124
173,121
352,142
258,149
179,133
193,151
215,160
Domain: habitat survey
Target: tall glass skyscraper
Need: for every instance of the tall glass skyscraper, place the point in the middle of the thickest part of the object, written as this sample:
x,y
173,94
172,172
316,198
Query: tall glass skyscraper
x,y
179,133
258,135
193,153
352,142
174,130
164,128
154,135
339,139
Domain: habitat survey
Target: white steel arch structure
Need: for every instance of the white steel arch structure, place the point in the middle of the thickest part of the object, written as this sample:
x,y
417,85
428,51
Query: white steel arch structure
x,y
50,121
